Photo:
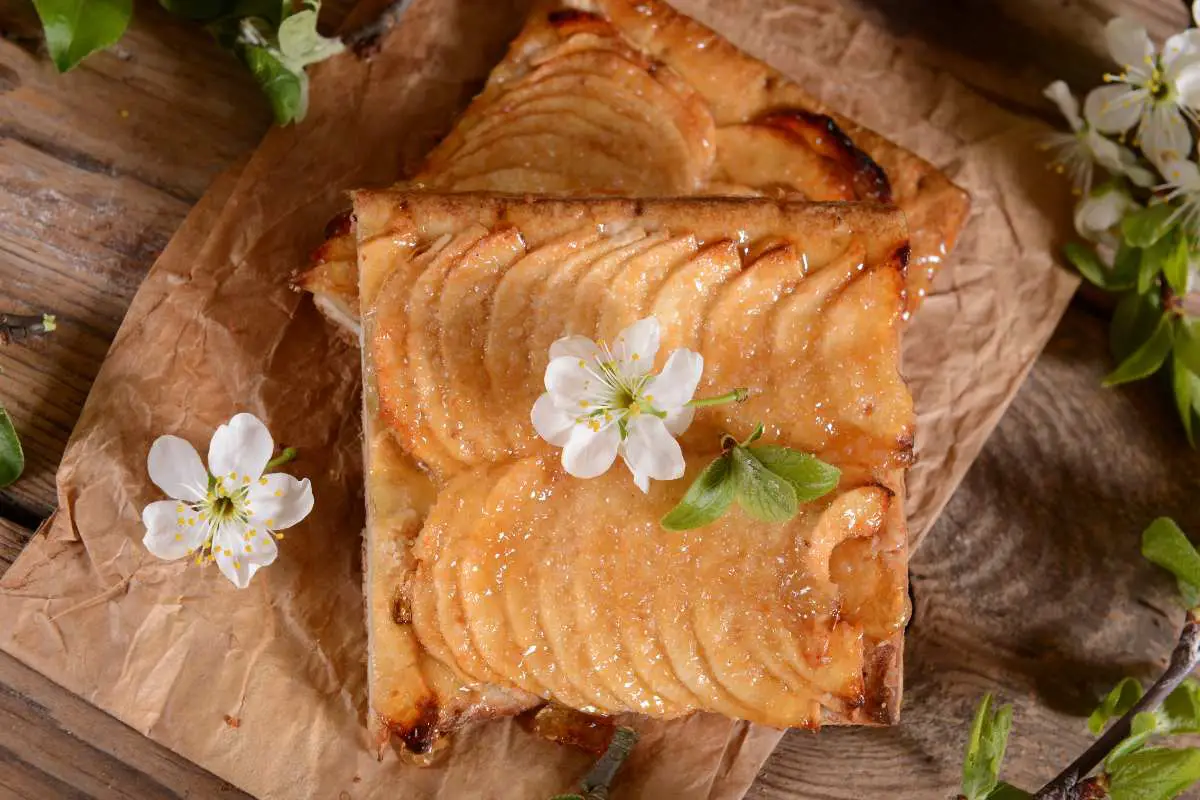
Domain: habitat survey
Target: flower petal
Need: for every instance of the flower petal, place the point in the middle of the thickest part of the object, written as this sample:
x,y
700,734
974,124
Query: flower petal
x,y
1164,134
1066,102
278,501
551,422
574,385
675,385
1116,108
636,346
1182,174
1187,84
1178,51
677,421
240,449
1100,211
175,467
236,562
590,452
166,536
651,450
1128,43
640,479
576,347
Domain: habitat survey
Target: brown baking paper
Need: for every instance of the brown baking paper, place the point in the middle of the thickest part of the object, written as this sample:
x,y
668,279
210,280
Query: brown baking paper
x,y
266,687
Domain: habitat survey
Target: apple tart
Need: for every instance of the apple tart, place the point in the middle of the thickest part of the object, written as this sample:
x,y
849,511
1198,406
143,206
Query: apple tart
x,y
631,98
497,583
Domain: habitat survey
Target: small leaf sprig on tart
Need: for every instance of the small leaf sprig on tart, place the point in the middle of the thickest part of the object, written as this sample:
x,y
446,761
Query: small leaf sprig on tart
x,y
602,401
770,483
231,513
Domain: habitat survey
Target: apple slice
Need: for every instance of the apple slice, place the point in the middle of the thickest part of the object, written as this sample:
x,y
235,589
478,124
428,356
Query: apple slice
x,y
464,308
510,324
635,286
685,294
584,314
521,595
551,308
484,568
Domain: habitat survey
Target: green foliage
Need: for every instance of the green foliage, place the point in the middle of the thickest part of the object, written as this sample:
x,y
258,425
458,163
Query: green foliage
x,y
1154,773
985,750
12,457
768,481
1164,544
1148,225
77,28
275,42
1118,701
706,499
1146,359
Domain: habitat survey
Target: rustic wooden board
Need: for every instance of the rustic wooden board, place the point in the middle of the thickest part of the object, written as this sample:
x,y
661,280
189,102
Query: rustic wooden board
x,y
1030,585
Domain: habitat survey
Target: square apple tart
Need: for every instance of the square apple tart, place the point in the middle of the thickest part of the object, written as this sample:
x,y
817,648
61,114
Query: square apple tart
x,y
631,98
496,582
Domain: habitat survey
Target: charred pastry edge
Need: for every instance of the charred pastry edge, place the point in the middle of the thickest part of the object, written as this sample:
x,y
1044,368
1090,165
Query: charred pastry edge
x,y
869,180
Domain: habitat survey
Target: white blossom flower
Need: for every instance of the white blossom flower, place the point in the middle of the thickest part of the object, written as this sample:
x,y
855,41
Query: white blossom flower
x,y
1183,185
601,401
228,513
1156,92
1076,153
1102,210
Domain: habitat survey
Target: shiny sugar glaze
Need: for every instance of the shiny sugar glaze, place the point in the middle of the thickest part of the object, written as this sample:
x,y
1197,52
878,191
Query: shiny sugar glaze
x,y
569,590
463,327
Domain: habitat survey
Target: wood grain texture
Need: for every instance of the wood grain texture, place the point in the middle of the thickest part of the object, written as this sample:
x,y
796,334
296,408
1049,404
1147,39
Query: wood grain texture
x,y
1030,585
97,169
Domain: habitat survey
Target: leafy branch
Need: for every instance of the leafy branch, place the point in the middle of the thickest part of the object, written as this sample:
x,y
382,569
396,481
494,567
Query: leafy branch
x,y
274,38
1120,764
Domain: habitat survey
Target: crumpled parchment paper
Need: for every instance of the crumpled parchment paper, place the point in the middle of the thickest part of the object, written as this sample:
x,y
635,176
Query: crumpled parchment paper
x,y
266,687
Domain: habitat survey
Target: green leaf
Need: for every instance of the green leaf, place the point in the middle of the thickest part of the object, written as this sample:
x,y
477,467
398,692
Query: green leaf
x,y
1164,544
12,457
1187,342
706,499
1126,264
761,493
1187,391
299,42
287,91
1144,228
755,435
985,750
1175,266
77,28
1146,360
1145,726
1119,700
1088,263
809,476
1154,260
1180,712
1134,320
1006,791
1156,773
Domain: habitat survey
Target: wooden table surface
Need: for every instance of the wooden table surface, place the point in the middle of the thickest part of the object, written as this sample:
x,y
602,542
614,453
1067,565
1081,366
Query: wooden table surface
x,y
1029,586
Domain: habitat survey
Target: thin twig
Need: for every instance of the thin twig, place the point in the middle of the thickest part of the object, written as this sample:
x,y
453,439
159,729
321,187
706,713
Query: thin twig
x,y
1185,657
15,327
596,783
